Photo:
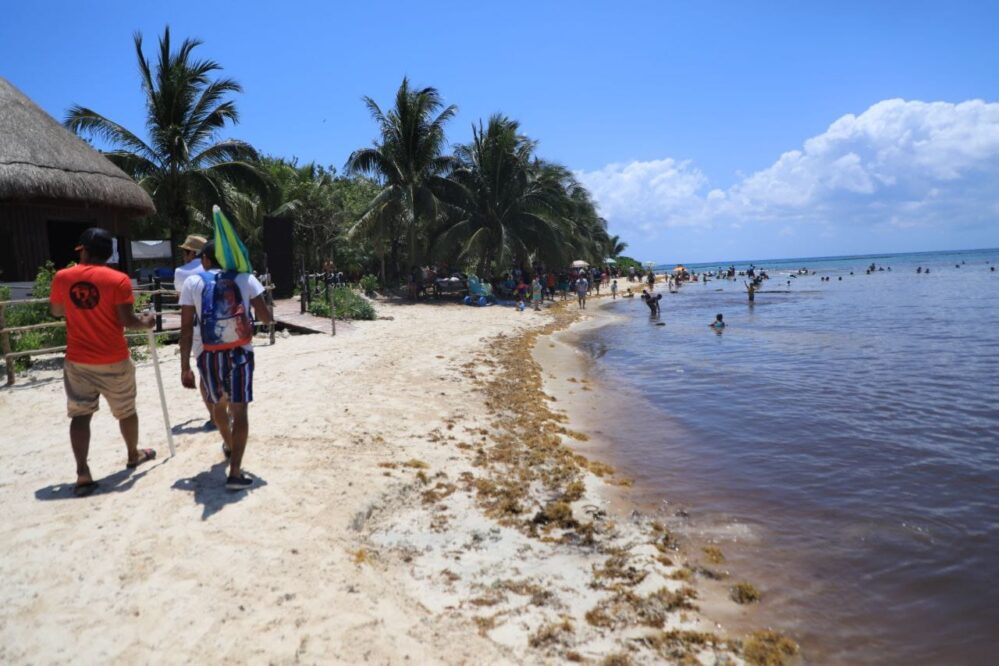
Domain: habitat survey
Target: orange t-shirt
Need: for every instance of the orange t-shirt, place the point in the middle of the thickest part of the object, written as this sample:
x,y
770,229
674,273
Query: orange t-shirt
x,y
90,292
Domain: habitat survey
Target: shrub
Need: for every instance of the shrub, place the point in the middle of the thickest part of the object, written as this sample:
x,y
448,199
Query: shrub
x,y
349,305
38,313
34,313
369,283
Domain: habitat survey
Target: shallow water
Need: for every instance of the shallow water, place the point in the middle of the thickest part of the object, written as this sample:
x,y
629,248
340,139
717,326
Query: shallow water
x,y
840,440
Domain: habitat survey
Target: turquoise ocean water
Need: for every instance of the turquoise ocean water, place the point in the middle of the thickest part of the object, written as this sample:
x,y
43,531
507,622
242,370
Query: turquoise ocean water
x,y
840,441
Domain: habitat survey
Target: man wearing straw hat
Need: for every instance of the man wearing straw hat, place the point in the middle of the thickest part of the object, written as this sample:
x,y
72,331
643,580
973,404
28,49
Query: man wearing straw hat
x,y
226,360
192,246
97,303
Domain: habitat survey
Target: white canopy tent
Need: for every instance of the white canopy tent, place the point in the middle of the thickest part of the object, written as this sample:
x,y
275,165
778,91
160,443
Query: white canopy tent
x,y
145,250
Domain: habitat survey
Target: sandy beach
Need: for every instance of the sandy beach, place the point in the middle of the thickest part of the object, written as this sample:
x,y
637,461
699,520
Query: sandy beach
x,y
417,502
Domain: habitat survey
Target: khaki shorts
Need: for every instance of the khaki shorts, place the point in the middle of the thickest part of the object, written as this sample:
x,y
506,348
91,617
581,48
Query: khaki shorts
x,y
85,383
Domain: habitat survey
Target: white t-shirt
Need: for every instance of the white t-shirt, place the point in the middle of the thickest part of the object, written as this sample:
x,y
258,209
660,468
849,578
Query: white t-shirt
x,y
181,274
194,286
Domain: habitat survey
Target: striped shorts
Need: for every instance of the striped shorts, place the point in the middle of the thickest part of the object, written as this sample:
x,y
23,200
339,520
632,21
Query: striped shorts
x,y
227,372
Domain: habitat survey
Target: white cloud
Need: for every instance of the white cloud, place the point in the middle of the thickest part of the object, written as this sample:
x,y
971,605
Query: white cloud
x,y
647,195
899,164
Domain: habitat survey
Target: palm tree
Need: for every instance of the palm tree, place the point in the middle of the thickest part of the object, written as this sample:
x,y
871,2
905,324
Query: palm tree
x,y
586,232
514,206
505,202
615,247
183,164
409,163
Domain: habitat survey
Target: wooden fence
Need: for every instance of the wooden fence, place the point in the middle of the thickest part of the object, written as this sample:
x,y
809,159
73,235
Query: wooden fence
x,y
159,307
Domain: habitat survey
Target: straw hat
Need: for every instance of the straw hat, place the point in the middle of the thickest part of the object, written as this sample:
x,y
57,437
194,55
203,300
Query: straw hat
x,y
193,243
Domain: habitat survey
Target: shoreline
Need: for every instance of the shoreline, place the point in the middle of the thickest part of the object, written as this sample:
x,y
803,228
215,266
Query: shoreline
x,y
583,398
417,502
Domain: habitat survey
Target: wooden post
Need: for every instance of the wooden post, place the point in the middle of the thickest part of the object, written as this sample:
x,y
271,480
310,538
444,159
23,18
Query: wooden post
x,y
301,291
332,303
158,305
270,303
5,346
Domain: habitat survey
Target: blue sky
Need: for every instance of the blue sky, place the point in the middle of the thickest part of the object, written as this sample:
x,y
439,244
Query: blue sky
x,y
682,118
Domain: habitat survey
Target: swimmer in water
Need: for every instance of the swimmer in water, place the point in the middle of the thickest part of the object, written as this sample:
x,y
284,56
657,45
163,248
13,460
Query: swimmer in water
x,y
652,300
719,323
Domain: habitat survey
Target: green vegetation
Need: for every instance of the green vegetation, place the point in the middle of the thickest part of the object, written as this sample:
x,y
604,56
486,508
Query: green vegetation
x,y
369,283
33,313
39,313
182,164
624,263
516,207
403,202
349,305
615,246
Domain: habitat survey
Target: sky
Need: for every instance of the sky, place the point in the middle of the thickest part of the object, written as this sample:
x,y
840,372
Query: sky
x,y
705,130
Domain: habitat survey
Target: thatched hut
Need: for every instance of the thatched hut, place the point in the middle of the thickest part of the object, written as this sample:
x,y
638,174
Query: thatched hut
x,y
52,187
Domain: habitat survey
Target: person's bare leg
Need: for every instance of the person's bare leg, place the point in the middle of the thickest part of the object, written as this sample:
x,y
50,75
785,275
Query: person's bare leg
x,y
220,415
208,405
79,437
240,432
129,427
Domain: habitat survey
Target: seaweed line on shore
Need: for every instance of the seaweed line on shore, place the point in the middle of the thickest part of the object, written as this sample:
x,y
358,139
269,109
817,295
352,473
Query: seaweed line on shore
x,y
632,599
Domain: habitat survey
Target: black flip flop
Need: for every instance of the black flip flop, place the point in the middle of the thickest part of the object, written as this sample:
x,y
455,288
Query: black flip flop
x,y
145,455
85,489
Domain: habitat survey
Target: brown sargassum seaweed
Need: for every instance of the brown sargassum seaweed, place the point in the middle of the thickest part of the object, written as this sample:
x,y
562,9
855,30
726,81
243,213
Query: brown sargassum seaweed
x,y
527,479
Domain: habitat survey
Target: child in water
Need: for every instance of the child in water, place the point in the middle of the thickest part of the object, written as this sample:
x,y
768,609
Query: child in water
x,y
718,324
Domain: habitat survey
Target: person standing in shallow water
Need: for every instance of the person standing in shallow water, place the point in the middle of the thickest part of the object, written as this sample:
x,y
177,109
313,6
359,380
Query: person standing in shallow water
x,y
97,302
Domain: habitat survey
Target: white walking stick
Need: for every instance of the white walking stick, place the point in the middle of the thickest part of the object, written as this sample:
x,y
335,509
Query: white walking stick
x,y
159,384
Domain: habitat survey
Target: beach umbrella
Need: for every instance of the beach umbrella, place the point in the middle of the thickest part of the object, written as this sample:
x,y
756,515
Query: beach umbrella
x,y
579,263
229,250
609,261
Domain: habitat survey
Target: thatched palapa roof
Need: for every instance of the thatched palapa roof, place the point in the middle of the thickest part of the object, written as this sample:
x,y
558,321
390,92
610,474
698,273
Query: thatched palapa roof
x,y
43,162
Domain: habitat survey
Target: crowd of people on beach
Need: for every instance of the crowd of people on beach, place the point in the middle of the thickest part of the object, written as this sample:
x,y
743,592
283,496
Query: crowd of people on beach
x,y
217,330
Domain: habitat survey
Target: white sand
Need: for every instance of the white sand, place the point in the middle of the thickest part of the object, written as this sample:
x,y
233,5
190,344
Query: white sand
x,y
329,558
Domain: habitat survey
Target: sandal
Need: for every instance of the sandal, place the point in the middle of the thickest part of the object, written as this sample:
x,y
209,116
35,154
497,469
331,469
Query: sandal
x,y
145,455
84,489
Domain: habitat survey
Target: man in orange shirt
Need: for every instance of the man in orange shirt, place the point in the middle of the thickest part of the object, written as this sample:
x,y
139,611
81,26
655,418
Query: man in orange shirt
x,y
97,303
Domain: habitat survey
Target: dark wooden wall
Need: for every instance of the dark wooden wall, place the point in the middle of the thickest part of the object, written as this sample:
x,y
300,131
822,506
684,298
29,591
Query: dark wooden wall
x,y
24,238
